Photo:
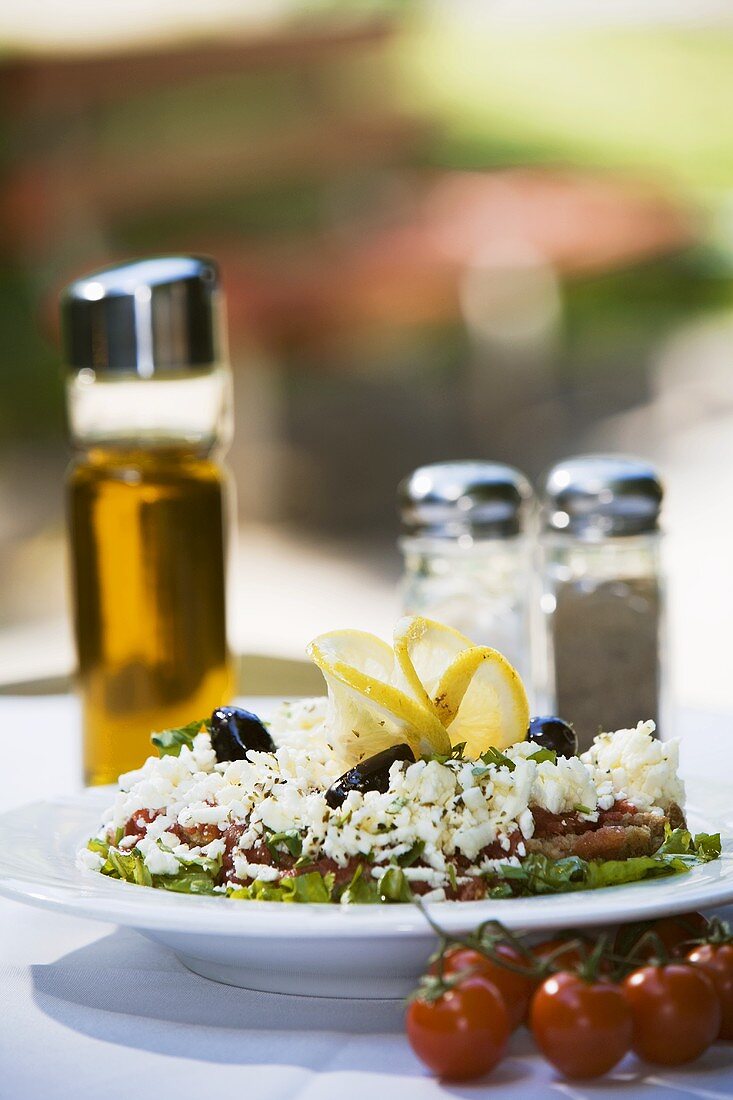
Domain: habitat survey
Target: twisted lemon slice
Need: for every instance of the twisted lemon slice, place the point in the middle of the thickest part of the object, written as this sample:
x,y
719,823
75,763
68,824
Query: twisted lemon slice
x,y
369,712
434,690
474,691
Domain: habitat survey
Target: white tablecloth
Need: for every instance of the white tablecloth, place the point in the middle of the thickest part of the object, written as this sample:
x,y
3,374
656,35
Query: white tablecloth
x,y
90,1011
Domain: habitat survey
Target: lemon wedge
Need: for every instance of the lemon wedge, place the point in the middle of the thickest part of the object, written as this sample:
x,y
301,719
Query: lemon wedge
x,y
368,710
433,690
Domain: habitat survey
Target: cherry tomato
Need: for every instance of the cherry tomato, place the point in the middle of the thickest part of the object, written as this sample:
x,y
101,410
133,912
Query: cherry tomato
x,y
673,932
568,955
582,1028
675,1010
463,1033
516,989
717,962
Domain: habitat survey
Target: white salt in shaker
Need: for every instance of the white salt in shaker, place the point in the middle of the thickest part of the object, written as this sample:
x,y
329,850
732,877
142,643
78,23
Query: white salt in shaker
x,y
468,553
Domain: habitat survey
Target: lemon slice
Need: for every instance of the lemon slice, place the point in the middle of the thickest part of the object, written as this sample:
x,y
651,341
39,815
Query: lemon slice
x,y
368,711
482,702
434,690
424,650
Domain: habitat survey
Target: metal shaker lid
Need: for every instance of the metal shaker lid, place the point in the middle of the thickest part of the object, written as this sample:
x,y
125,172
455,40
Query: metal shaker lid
x,y
450,499
145,317
600,496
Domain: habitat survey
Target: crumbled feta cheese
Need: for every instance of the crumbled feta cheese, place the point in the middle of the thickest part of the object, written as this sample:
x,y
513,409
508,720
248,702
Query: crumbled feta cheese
x,y
89,861
637,767
448,810
157,861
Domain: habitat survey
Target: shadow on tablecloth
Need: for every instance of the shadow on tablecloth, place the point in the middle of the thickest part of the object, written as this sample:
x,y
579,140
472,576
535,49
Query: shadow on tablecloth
x,y
123,989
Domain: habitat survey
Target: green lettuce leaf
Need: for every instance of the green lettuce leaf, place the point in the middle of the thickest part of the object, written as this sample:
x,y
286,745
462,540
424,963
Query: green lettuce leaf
x,y
537,874
393,886
707,846
187,882
362,890
312,887
616,872
128,866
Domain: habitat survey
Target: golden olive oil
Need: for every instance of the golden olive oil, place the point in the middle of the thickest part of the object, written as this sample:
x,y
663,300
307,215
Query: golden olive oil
x,y
148,552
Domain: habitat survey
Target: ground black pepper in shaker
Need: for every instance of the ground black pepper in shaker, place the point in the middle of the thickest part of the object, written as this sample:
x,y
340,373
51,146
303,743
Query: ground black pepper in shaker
x,y
602,593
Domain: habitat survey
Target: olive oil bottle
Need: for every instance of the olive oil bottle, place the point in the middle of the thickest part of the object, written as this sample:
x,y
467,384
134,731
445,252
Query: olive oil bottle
x,y
149,500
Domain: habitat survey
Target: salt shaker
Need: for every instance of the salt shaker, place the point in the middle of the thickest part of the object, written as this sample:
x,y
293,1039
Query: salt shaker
x,y
468,552
602,593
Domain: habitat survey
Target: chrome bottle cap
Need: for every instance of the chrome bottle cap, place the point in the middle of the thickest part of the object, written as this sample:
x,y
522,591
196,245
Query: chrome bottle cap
x,y
145,317
450,499
602,496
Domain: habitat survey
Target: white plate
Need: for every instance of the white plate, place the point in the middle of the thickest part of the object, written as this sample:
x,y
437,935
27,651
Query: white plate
x,y
358,951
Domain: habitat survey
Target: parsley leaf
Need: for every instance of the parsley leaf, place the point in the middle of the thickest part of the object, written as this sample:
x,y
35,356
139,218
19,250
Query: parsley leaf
x,y
289,839
541,755
497,759
170,742
456,753
408,858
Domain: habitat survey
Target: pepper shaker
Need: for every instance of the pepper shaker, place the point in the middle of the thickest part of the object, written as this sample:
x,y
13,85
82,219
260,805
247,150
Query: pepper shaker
x,y
602,598
468,552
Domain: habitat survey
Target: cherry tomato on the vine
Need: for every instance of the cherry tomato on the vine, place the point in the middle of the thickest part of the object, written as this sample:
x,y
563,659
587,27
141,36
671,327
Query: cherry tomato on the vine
x,y
583,1028
568,955
461,1034
716,959
516,989
675,1010
674,933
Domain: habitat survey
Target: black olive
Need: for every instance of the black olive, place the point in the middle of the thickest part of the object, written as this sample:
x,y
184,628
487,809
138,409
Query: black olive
x,y
234,731
552,733
369,775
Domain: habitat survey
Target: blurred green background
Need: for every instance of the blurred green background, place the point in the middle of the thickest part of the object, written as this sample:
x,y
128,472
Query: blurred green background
x,y
445,230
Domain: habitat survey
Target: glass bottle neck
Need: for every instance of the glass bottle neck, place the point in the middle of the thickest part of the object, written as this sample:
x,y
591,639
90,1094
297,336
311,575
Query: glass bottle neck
x,y
190,412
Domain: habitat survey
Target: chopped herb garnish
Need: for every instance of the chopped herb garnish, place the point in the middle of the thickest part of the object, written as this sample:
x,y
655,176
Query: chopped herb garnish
x,y
497,759
170,742
290,839
542,755
408,858
456,753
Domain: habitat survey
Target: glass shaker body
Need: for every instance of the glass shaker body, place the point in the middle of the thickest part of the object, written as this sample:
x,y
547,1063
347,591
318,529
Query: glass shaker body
x,y
603,612
149,501
480,586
